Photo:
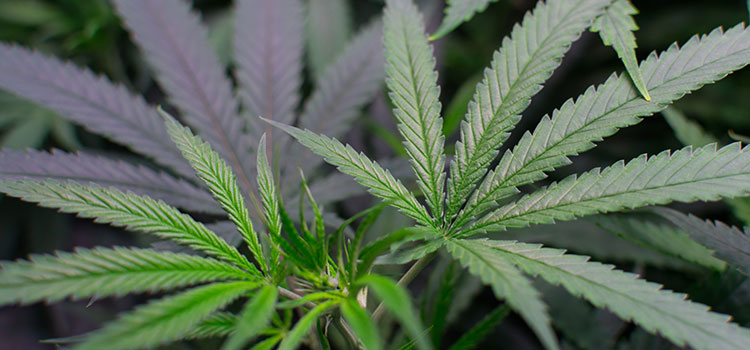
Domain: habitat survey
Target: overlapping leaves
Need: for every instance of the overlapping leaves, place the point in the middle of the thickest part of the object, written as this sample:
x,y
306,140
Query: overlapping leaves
x,y
686,175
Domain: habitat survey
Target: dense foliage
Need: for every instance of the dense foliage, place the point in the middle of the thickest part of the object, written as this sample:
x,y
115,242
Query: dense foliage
x,y
260,275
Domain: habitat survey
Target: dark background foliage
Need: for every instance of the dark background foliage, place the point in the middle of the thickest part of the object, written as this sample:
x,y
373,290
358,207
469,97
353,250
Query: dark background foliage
x,y
89,33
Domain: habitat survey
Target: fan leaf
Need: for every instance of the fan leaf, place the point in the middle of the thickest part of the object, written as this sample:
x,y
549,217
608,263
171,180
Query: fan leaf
x,y
177,48
103,272
349,83
221,181
686,175
729,243
645,303
254,317
91,101
601,111
508,283
165,320
86,168
412,81
519,68
379,181
112,206
268,52
329,26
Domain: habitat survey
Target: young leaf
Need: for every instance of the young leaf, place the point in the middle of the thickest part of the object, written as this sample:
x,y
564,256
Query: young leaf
x,y
730,243
398,302
294,337
221,181
103,272
508,283
268,53
686,175
412,81
127,210
164,320
91,101
329,25
361,324
518,70
457,12
645,303
600,111
85,168
186,67
616,26
254,317
379,181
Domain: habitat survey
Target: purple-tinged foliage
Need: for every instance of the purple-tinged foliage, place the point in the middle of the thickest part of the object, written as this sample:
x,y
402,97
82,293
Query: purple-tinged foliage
x,y
177,48
346,85
268,53
91,101
86,168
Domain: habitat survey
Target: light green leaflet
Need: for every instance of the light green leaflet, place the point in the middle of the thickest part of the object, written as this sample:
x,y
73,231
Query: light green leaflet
x,y
221,181
616,26
412,81
165,320
103,272
654,309
519,68
508,283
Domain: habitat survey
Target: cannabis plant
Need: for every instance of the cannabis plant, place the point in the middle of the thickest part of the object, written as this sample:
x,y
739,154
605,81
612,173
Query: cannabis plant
x,y
482,192
268,69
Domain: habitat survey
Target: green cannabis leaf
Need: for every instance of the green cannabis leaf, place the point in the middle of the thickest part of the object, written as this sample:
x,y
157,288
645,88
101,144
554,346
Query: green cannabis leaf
x,y
616,26
525,60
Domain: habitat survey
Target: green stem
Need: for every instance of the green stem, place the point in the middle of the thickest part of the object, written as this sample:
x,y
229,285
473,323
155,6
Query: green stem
x,y
409,276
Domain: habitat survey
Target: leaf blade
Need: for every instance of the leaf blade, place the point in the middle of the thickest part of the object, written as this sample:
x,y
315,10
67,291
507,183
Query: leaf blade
x,y
89,100
525,61
685,175
600,111
268,52
412,82
177,48
616,26
164,320
379,181
127,210
627,296
104,272
85,168
221,181
507,283
361,324
457,12
398,302
254,317
729,243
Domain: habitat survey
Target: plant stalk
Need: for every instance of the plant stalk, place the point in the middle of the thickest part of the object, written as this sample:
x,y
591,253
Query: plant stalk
x,y
409,276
